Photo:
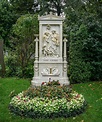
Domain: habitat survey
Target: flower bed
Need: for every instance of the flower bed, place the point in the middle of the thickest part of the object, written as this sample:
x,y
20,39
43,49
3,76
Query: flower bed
x,y
25,104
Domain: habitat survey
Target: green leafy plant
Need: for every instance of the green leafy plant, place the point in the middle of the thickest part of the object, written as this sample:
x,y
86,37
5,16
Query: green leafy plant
x,y
51,83
48,101
47,108
51,90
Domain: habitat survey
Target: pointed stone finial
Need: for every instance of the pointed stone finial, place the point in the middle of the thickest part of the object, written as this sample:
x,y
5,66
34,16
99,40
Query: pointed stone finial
x,y
65,35
36,35
38,16
65,40
45,13
50,12
36,40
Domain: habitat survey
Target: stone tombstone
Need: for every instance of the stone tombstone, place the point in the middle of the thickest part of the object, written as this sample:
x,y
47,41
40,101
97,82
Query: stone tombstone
x,y
49,65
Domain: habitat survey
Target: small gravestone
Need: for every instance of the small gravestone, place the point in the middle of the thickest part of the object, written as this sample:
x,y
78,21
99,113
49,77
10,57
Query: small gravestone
x,y
49,65
2,65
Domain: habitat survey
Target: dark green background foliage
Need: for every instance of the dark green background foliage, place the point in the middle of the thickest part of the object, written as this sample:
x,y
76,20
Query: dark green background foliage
x,y
93,48
83,26
20,58
7,19
85,51
79,70
22,7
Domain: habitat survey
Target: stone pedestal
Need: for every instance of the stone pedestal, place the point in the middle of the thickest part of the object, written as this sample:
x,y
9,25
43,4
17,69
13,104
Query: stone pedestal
x,y
49,64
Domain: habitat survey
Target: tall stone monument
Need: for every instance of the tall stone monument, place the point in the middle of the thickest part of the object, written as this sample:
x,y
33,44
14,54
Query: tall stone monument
x,y
49,64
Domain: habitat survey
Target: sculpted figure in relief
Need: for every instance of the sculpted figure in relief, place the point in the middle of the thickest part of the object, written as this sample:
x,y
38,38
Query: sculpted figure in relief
x,y
50,43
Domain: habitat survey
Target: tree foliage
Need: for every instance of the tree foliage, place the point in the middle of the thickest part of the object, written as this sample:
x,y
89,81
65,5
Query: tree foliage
x,y
7,19
55,6
22,43
84,28
22,6
79,70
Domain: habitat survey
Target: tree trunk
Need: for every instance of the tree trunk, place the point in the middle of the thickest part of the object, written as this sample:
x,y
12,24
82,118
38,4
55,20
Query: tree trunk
x,y
2,64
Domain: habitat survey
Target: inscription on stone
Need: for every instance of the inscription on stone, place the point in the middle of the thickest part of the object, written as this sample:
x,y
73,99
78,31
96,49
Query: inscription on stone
x,y
50,59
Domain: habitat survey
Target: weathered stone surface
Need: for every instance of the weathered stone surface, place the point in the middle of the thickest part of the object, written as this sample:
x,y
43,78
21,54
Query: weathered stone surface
x,y
49,63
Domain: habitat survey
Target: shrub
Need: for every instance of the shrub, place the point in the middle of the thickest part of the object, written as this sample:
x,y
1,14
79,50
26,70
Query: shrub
x,y
13,67
93,47
84,31
79,68
20,60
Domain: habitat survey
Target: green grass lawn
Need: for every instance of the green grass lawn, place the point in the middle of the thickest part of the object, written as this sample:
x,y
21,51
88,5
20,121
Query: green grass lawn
x,y
92,92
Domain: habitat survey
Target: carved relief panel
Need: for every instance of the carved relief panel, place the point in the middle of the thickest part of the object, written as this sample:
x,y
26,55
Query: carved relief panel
x,y
50,71
50,41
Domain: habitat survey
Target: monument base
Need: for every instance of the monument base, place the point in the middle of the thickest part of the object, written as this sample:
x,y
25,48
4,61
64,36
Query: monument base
x,y
37,81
